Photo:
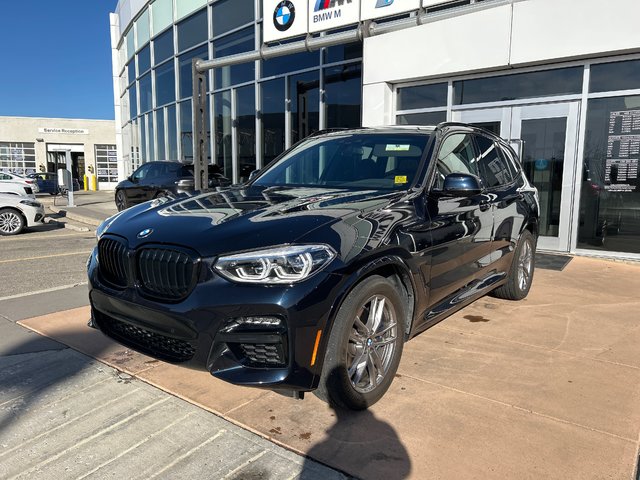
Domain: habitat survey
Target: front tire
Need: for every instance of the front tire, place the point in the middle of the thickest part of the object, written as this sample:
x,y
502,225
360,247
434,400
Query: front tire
x,y
121,201
364,347
11,222
520,276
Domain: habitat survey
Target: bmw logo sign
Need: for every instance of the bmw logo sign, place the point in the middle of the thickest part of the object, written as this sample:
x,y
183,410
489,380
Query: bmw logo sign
x,y
145,233
284,15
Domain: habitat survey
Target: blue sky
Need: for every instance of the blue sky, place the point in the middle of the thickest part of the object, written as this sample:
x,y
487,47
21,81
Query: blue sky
x,y
55,59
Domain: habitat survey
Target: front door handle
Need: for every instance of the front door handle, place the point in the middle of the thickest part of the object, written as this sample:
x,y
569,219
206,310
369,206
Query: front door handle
x,y
484,206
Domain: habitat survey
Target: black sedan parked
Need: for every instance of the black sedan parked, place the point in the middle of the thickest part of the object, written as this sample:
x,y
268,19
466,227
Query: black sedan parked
x,y
313,274
157,179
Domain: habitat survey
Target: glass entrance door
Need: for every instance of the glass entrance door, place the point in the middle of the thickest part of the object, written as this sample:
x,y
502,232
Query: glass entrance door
x,y
545,136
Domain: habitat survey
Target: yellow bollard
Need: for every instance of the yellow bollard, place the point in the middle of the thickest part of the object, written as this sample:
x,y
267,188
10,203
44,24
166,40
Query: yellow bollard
x,y
94,183
86,183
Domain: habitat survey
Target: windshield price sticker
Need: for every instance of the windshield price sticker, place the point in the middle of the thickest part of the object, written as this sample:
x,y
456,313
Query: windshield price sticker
x,y
400,179
398,148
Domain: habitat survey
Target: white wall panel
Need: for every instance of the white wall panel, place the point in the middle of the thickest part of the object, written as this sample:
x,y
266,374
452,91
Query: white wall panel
x,y
376,105
545,30
466,43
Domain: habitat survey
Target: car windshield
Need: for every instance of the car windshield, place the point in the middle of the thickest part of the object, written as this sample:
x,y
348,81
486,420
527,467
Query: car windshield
x,y
386,161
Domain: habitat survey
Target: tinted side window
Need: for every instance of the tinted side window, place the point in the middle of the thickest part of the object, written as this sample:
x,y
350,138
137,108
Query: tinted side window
x,y
493,168
141,172
511,161
456,155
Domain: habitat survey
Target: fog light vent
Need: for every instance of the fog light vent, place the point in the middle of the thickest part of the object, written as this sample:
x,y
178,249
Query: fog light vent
x,y
263,355
250,322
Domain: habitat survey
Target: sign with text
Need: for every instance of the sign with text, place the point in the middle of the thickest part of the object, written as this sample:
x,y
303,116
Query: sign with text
x,y
329,14
65,131
283,19
372,9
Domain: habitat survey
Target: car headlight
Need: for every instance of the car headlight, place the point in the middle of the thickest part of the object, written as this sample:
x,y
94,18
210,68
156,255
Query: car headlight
x,y
31,203
281,265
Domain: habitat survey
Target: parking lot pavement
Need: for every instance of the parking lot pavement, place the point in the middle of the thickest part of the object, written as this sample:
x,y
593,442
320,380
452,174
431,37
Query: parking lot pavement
x,y
43,258
548,387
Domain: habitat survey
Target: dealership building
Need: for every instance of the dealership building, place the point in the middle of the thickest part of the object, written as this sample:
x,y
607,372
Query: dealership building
x,y
559,79
33,145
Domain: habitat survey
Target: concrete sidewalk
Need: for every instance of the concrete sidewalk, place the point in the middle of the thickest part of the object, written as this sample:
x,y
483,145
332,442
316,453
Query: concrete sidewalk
x,y
91,207
544,388
64,415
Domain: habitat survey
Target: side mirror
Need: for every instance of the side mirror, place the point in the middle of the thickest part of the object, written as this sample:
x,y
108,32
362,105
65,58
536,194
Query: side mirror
x,y
254,174
461,185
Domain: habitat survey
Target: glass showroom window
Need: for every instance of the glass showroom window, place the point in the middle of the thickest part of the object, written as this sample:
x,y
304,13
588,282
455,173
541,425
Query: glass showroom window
x,y
246,136
143,140
145,93
186,73
608,77
107,163
163,47
165,84
238,42
192,31
186,131
160,150
162,14
609,217
19,158
133,102
304,89
223,132
227,15
144,60
343,95
563,81
413,101
172,129
273,119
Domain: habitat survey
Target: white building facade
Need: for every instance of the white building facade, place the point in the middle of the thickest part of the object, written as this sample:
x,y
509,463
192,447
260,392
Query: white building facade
x,y
559,79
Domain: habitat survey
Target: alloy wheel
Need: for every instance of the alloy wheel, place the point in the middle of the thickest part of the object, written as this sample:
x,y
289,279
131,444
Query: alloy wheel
x,y
372,342
525,265
120,203
10,222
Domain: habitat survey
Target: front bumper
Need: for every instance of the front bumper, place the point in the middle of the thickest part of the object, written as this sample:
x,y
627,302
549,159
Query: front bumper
x,y
202,331
33,215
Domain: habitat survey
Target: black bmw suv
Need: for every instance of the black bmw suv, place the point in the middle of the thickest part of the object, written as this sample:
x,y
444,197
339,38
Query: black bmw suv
x,y
159,179
313,274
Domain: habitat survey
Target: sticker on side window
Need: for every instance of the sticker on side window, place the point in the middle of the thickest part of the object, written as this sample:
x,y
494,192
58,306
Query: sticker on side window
x,y
398,148
400,179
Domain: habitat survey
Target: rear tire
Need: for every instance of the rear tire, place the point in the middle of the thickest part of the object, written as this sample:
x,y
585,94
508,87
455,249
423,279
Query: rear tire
x,y
520,276
364,347
121,201
11,222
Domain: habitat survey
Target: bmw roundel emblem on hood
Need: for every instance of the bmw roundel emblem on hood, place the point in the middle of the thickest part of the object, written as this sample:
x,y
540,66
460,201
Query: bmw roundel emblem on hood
x,y
284,15
145,233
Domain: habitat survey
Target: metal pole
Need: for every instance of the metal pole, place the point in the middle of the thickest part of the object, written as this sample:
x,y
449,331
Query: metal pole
x,y
200,164
70,191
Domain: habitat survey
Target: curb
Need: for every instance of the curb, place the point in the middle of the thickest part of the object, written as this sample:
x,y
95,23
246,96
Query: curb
x,y
70,226
72,216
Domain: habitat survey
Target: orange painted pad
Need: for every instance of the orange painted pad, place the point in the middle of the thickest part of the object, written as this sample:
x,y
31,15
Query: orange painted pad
x,y
543,388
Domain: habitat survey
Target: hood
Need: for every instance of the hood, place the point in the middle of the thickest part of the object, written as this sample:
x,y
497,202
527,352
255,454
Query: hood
x,y
238,219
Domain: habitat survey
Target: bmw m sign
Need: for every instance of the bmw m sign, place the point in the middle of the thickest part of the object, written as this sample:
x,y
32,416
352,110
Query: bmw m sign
x,y
290,18
328,14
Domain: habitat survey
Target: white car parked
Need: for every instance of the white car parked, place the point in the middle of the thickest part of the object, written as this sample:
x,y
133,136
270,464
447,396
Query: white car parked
x,y
15,178
18,212
14,188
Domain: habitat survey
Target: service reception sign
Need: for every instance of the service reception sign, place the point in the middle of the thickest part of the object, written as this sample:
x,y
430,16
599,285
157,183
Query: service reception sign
x,y
290,18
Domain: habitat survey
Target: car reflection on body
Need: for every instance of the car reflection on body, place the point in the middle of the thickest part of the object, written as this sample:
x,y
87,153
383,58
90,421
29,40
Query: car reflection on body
x,y
312,275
